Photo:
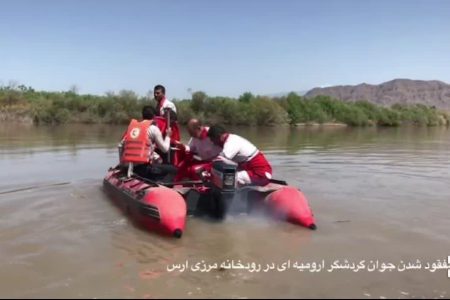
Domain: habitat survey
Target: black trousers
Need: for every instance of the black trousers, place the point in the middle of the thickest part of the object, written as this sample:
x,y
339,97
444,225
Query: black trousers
x,y
163,173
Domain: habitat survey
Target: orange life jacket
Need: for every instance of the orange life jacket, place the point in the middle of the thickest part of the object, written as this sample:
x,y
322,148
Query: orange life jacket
x,y
137,146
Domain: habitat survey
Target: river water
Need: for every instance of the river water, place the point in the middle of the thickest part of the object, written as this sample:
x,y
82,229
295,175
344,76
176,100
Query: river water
x,y
381,198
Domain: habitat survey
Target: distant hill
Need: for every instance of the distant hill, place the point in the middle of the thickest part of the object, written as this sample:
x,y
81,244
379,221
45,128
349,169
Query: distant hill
x,y
404,91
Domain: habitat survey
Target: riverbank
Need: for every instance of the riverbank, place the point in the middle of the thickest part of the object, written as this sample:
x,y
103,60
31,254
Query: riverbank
x,y
40,107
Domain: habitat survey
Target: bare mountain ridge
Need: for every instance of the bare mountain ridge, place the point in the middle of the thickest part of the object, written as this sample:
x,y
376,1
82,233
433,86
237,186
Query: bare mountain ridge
x,y
404,91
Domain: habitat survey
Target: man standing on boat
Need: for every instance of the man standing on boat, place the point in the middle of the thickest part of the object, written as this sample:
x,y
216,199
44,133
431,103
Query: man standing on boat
x,y
166,116
253,167
162,103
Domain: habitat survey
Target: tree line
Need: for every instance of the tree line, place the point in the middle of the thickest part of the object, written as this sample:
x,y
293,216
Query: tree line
x,y
44,107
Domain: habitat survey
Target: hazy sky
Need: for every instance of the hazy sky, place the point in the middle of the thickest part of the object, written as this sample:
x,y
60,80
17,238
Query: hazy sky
x,y
221,47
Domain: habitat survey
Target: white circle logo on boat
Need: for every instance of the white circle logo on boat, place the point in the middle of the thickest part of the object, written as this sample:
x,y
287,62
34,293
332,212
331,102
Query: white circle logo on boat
x,y
135,133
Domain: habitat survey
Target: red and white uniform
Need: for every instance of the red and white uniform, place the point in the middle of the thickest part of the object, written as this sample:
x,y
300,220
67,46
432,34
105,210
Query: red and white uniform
x,y
165,103
203,147
253,167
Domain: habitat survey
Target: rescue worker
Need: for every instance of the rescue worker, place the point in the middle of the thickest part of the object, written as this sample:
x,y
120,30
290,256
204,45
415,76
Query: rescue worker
x,y
252,166
162,103
200,151
139,145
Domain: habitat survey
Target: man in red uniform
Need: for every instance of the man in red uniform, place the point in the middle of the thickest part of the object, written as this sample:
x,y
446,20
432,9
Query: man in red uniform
x,y
159,92
252,166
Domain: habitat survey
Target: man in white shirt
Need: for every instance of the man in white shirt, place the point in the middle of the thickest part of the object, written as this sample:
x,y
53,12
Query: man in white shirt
x,y
253,167
200,144
159,92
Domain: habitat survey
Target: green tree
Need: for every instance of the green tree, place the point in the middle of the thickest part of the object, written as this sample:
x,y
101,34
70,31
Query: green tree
x,y
246,97
198,100
293,108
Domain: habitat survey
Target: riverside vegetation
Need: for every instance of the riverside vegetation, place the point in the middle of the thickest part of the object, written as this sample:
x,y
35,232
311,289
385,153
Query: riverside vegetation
x,y
21,103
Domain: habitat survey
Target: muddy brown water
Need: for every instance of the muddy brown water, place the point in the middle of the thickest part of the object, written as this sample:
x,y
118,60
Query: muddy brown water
x,y
381,197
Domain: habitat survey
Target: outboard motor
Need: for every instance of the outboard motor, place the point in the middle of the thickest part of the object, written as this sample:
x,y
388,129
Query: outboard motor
x,y
223,185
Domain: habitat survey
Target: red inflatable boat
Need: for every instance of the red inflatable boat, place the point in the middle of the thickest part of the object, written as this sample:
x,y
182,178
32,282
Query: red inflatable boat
x,y
164,207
